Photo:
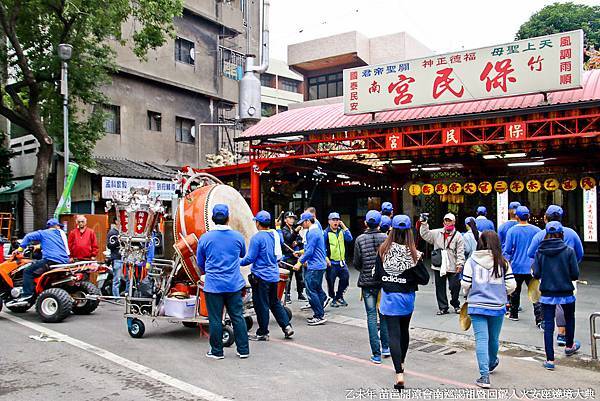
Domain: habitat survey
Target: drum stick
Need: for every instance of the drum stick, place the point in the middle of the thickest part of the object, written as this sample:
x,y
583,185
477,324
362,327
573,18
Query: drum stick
x,y
285,263
288,247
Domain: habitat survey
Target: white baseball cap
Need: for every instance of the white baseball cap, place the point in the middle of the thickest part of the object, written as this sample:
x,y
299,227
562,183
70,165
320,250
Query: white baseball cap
x,y
450,216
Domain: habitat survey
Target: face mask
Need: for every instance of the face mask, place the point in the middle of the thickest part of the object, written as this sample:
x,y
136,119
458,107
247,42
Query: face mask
x,y
449,227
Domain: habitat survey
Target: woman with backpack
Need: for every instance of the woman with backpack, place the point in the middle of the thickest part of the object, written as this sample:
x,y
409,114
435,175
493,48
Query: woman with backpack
x,y
399,270
487,280
555,264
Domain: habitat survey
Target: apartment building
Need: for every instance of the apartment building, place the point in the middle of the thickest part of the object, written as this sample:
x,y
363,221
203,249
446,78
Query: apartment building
x,y
279,87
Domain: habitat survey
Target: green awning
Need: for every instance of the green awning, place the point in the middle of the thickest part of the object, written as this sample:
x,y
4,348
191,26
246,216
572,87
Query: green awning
x,y
11,193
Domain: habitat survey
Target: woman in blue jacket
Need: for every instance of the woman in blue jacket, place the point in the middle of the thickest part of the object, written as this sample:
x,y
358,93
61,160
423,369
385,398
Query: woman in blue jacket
x,y
555,264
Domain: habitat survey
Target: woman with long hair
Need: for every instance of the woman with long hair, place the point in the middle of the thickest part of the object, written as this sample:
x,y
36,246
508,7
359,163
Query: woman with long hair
x,y
399,269
555,264
487,280
471,237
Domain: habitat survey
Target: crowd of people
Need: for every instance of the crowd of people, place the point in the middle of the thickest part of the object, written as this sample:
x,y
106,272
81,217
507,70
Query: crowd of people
x,y
490,267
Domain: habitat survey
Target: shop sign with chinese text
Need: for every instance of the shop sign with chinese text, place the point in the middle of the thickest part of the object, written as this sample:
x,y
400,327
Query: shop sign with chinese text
x,y
543,64
119,185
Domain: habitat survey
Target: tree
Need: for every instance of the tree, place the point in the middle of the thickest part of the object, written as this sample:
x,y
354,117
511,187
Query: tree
x,y
563,17
32,100
5,154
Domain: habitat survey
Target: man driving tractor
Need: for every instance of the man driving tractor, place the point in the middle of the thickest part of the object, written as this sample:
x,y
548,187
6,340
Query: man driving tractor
x,y
55,250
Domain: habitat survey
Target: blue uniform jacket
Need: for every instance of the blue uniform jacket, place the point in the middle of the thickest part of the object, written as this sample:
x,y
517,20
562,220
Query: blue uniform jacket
x,y
261,254
218,255
571,239
484,224
503,230
516,246
54,244
314,249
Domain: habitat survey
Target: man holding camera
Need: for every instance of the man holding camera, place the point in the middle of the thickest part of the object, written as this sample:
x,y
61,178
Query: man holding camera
x,y
447,260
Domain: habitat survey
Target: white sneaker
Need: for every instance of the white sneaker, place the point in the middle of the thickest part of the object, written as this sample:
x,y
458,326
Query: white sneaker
x,y
242,356
315,321
209,354
306,307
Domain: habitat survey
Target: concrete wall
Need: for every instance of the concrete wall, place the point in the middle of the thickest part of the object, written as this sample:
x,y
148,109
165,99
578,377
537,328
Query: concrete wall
x,y
330,46
135,97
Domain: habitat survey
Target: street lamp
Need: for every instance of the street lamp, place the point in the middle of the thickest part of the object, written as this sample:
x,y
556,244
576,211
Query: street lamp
x,y
64,53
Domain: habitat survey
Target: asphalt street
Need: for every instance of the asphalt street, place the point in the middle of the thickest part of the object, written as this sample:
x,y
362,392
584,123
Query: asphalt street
x,y
93,358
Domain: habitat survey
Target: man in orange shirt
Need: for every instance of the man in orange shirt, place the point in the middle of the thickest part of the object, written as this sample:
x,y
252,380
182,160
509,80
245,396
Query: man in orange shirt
x,y
82,241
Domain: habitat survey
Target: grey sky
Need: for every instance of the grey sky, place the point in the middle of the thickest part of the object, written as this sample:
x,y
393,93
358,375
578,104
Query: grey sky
x,y
443,26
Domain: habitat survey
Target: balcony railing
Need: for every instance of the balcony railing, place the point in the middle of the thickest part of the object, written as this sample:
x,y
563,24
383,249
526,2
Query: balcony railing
x,y
231,63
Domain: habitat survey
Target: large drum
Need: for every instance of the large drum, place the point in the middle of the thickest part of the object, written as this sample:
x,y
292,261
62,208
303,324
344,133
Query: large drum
x,y
194,217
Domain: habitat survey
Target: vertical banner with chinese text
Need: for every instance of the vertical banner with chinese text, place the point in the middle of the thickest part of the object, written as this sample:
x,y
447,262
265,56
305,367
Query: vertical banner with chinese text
x,y
502,207
590,215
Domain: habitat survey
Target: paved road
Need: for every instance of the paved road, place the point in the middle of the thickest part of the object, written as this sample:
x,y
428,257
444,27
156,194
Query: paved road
x,y
95,359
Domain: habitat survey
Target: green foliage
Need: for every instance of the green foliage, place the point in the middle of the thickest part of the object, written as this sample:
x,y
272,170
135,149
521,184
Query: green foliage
x,y
563,17
93,28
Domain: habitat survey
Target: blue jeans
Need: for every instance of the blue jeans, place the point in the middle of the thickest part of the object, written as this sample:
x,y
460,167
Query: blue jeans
x,y
117,266
235,309
35,269
313,279
341,272
487,340
370,299
549,314
264,298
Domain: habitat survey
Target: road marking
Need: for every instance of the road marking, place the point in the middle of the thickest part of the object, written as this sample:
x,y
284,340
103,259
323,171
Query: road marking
x,y
126,363
365,362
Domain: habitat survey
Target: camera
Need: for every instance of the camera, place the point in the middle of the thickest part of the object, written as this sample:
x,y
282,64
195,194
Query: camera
x,y
424,217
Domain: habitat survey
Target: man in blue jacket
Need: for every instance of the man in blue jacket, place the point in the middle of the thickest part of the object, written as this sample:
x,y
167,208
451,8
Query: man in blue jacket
x,y
264,252
315,259
555,213
504,227
482,222
336,236
55,250
515,249
218,256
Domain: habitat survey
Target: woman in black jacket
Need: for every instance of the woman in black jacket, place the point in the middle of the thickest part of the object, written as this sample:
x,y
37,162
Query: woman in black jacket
x,y
555,264
399,269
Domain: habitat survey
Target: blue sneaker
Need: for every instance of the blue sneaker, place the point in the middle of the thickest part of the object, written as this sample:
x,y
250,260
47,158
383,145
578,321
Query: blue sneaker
x,y
335,304
494,365
573,350
548,365
561,340
376,359
483,382
385,352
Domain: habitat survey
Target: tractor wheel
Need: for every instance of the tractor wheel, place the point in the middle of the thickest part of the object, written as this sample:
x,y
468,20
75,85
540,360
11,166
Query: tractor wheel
x,y
135,327
54,305
85,306
249,322
228,336
19,309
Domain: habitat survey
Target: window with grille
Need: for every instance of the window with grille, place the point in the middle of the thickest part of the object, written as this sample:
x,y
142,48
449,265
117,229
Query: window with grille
x,y
154,121
112,123
184,130
184,51
287,84
267,109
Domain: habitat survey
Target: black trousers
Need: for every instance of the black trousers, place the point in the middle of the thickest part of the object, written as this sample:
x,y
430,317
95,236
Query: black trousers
x,y
441,292
515,298
398,332
299,282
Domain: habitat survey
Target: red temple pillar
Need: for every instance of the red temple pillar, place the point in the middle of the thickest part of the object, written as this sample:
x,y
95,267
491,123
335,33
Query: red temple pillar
x,y
254,189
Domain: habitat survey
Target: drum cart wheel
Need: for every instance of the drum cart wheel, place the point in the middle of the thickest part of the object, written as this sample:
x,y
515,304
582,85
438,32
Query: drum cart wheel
x,y
135,327
249,322
228,336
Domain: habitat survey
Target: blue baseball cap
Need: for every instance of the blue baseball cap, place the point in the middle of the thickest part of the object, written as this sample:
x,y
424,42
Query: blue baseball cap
x,y
523,212
554,209
513,205
305,217
220,211
387,207
386,222
554,227
373,217
469,219
481,211
53,222
263,217
334,216
401,222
